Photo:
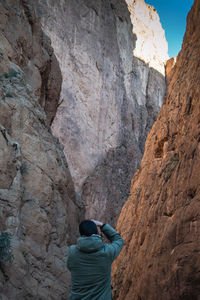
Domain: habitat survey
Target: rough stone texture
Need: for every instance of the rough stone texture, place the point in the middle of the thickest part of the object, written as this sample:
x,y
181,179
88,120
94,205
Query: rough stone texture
x,y
169,68
160,222
37,199
110,98
28,46
151,45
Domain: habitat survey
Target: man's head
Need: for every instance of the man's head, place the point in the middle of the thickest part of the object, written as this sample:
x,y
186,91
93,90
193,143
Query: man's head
x,y
88,228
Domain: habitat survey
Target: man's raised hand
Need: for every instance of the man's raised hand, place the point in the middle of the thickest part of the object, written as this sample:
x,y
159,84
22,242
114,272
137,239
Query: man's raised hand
x,y
98,223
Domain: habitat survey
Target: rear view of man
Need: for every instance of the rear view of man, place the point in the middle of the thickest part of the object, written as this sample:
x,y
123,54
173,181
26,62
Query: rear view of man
x,y
90,261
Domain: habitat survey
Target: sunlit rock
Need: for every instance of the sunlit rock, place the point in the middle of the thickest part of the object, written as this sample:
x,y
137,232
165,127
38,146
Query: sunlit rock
x,y
160,221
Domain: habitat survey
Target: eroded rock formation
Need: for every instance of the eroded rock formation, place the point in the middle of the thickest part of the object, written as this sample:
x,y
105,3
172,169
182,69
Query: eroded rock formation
x,y
37,200
160,222
29,47
110,95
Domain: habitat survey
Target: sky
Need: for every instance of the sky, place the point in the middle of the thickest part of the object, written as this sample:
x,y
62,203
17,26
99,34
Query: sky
x,y
173,14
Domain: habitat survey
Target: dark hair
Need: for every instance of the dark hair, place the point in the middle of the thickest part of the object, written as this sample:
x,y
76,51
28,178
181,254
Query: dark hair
x,y
88,228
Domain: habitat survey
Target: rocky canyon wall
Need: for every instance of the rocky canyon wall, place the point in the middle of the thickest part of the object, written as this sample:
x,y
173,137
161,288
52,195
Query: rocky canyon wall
x,y
110,96
37,200
160,222
29,47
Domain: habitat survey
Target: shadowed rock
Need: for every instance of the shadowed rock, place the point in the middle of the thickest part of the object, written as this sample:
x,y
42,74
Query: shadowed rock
x,y
29,47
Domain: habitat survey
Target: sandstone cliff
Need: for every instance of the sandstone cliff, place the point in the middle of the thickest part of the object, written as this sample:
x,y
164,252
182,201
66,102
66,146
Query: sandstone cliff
x,y
110,95
37,199
160,222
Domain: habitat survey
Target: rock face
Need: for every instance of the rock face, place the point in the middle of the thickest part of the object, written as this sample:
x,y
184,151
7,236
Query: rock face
x,y
110,97
160,222
29,47
37,200
151,45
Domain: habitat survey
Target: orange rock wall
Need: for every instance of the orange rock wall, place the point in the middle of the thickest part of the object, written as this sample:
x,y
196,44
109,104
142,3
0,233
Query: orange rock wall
x,y
160,222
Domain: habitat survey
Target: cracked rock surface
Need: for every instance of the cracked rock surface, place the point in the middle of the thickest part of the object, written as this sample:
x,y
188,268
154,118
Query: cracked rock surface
x,y
160,222
29,47
37,199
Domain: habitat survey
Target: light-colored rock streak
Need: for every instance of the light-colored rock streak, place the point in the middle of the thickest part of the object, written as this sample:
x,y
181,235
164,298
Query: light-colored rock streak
x,y
151,45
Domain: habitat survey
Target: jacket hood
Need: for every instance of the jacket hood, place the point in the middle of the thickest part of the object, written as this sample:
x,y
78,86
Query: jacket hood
x,y
90,244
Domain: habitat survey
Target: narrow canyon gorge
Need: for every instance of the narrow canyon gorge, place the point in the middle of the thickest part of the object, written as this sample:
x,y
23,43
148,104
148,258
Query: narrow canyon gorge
x,y
82,84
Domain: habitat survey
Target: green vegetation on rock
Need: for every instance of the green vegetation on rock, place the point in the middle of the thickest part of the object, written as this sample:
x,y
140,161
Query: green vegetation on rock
x,y
5,248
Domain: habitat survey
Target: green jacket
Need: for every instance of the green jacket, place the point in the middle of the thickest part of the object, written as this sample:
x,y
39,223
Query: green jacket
x,y
90,265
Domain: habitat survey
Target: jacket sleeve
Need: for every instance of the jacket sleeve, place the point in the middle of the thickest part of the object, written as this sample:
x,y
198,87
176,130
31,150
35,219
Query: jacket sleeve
x,y
68,261
116,240
70,257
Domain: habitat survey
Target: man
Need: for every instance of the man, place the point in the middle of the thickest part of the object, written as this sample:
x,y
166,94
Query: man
x,y
90,261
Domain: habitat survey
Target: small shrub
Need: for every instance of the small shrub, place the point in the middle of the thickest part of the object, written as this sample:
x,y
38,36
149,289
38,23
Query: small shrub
x,y
11,73
5,248
8,95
